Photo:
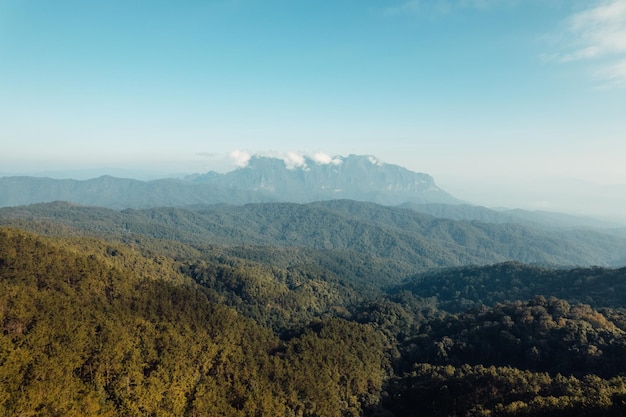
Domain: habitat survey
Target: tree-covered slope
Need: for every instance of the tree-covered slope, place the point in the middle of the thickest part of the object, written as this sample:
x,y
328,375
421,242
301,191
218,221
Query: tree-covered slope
x,y
91,328
458,289
534,358
490,391
536,218
546,335
407,240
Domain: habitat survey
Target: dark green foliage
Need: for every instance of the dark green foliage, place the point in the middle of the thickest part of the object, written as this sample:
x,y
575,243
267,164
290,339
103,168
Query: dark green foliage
x,y
475,391
539,335
458,289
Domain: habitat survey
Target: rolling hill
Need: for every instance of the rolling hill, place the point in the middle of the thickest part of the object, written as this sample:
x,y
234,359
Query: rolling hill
x,y
402,237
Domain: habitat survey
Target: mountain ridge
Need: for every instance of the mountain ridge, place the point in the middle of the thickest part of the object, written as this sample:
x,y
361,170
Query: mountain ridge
x,y
262,179
367,229
351,177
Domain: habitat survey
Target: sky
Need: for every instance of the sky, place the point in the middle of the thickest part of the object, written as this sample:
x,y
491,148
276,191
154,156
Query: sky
x,y
506,103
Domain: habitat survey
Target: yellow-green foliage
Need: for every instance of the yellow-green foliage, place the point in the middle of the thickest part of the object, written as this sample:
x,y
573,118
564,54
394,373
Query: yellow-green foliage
x,y
90,328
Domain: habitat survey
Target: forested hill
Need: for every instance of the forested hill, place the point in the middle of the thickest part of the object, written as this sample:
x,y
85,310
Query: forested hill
x,y
538,218
91,328
409,240
95,327
119,193
458,289
327,309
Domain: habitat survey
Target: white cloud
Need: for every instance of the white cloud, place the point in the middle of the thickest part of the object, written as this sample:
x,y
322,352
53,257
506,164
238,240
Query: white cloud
x,y
606,11
325,159
599,34
322,158
294,160
241,158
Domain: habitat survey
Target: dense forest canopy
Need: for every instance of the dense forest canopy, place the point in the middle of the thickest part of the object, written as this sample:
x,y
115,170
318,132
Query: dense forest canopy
x,y
290,310
88,334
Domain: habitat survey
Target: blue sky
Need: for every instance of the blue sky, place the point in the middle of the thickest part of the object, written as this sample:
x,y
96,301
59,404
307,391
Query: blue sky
x,y
505,102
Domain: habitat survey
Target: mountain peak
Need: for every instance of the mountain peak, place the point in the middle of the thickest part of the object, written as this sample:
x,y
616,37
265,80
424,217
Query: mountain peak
x,y
300,178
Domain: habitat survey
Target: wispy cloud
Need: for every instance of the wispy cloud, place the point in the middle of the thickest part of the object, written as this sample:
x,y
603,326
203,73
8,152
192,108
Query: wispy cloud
x,y
207,154
615,74
598,34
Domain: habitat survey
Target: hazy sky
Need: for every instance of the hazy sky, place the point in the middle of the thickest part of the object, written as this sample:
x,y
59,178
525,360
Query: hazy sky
x,y
505,102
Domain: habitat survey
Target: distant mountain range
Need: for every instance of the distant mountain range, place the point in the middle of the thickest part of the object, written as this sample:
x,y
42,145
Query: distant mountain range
x,y
263,179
